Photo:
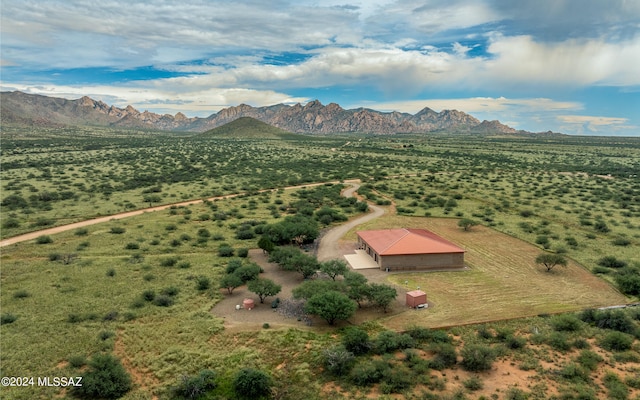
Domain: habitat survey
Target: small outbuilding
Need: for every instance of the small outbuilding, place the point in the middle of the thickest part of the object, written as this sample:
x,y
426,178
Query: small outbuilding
x,y
248,304
416,298
407,249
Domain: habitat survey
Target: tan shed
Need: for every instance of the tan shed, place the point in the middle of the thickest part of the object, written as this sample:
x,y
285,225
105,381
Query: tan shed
x,y
416,298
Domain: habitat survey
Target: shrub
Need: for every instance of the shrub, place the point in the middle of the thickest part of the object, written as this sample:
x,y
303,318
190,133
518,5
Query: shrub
x,y
566,323
106,378
7,318
589,360
473,383
390,341
252,384
476,357
445,356
616,341
559,341
243,252
118,230
10,223
163,301
44,239
104,335
628,280
203,283
81,232
611,262
111,272
514,342
184,265
368,372
356,341
149,295
193,387
338,360
169,262
621,242
21,294
225,251
170,291
77,361
132,246
615,387
110,316
515,394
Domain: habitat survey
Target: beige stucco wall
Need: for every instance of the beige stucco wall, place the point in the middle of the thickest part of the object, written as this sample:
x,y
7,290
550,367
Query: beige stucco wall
x,y
419,262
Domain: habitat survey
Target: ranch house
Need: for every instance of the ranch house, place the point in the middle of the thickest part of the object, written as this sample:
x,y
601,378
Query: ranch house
x,y
407,249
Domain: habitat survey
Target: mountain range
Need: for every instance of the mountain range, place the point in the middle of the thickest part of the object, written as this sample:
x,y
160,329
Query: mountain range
x,y
311,118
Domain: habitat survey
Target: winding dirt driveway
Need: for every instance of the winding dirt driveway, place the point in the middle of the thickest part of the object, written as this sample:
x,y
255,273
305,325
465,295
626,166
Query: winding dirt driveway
x,y
328,247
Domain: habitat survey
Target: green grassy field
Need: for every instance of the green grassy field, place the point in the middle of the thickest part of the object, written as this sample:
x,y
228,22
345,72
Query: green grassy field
x,y
82,293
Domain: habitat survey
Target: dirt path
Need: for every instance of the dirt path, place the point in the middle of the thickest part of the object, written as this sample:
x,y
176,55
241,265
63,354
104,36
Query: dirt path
x,y
329,247
80,224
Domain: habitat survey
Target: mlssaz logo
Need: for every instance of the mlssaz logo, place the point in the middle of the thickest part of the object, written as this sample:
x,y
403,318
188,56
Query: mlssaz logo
x,y
60,381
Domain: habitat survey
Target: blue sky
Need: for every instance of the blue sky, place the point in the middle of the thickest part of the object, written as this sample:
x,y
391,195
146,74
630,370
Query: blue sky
x,y
570,66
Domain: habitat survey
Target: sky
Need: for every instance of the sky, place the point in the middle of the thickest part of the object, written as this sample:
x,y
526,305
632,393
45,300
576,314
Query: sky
x,y
570,66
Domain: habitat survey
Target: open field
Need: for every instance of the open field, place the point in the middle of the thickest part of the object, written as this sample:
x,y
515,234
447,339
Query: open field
x,y
79,293
502,280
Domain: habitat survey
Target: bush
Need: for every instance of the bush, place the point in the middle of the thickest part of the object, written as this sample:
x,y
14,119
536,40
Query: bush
x,y
149,295
338,360
170,291
566,323
473,383
203,283
7,318
77,361
616,341
132,246
21,294
169,262
611,262
445,356
368,372
44,239
589,360
621,242
81,232
106,378
243,252
104,335
111,272
252,384
193,387
559,341
356,341
163,301
476,357
390,341
225,251
118,230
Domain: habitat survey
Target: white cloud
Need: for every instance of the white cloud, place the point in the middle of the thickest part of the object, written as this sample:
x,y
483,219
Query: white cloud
x,y
568,63
478,104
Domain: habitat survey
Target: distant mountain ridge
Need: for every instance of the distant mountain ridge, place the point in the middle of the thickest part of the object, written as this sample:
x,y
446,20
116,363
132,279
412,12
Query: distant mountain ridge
x,y
311,118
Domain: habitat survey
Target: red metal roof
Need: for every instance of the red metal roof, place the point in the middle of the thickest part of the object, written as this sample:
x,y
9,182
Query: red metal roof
x,y
387,242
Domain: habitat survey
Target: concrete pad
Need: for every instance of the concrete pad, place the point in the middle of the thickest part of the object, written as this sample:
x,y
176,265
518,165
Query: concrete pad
x,y
361,260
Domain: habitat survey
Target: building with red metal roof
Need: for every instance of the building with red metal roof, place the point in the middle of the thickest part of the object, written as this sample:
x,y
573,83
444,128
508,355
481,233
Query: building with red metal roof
x,y
406,249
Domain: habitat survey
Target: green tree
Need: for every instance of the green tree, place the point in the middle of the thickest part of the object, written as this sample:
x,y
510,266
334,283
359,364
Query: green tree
x,y
333,268
105,379
381,295
356,341
466,223
330,306
550,260
264,288
266,244
357,288
230,282
252,384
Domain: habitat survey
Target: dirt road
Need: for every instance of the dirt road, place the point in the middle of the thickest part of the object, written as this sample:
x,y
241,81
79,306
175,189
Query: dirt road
x,y
80,224
329,247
